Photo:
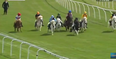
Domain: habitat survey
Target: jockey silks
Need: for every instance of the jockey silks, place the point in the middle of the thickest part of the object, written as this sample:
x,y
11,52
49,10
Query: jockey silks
x,y
18,17
84,15
51,18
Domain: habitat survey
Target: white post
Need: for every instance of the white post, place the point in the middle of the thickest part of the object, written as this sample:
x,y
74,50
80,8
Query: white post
x,y
94,12
20,50
110,12
64,3
105,15
102,4
75,6
38,53
79,8
83,6
88,10
112,5
3,44
105,4
11,48
108,4
28,52
99,13
69,5
72,6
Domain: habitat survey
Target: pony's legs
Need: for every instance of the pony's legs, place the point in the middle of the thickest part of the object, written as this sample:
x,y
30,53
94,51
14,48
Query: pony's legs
x,y
76,32
40,28
20,30
52,31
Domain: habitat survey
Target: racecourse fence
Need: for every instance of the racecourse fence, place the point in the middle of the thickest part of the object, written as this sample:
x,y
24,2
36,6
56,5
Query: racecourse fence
x,y
79,6
30,45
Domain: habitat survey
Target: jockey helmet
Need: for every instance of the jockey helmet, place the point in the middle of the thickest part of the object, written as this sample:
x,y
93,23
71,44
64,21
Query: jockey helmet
x,y
85,12
69,11
38,12
52,16
76,18
58,14
19,14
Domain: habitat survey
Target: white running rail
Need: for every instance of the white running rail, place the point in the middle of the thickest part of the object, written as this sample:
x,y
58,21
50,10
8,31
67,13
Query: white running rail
x,y
30,45
72,5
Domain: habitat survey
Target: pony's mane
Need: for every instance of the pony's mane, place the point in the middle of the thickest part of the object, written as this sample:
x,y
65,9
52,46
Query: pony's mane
x,y
39,17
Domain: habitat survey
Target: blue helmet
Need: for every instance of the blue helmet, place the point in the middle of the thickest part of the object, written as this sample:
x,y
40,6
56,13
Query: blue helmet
x,y
52,16
69,11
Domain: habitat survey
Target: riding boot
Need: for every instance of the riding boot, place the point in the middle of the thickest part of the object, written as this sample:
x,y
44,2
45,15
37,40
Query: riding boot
x,y
35,23
42,22
61,24
49,26
110,23
86,25
71,28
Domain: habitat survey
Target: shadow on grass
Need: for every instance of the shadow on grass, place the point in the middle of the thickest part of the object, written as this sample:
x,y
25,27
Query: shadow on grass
x,y
107,31
12,32
46,34
34,30
71,35
61,31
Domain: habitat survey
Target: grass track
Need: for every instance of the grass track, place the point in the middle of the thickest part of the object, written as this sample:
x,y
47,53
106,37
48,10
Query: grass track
x,y
95,43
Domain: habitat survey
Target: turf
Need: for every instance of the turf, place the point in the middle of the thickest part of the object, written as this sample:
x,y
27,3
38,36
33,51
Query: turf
x,y
97,42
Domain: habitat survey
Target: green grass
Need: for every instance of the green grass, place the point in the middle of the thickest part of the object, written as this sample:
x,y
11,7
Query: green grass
x,y
97,42
93,2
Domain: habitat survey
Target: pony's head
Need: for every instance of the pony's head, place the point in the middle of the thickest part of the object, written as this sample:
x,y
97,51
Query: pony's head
x,y
40,17
58,19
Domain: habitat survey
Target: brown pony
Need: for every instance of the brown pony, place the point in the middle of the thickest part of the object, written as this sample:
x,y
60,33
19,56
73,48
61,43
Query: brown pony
x,y
68,23
17,26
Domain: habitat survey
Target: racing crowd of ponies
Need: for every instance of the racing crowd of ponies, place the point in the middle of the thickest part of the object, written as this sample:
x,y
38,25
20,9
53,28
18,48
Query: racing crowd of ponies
x,y
71,24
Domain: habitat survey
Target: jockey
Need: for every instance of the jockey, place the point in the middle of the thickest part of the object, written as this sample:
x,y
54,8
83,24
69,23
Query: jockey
x,y
49,23
114,14
51,18
58,16
110,21
18,18
38,14
75,24
69,14
85,15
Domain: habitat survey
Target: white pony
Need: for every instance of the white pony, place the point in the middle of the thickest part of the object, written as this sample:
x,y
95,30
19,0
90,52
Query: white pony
x,y
52,26
39,22
83,24
114,22
58,24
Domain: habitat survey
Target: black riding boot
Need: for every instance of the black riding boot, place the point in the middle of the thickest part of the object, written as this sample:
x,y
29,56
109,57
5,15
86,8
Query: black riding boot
x,y
49,26
61,24
110,23
42,22
35,23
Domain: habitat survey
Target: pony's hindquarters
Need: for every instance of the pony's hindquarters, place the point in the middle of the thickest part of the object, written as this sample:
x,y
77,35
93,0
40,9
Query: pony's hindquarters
x,y
39,22
39,25
114,22
52,26
58,25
